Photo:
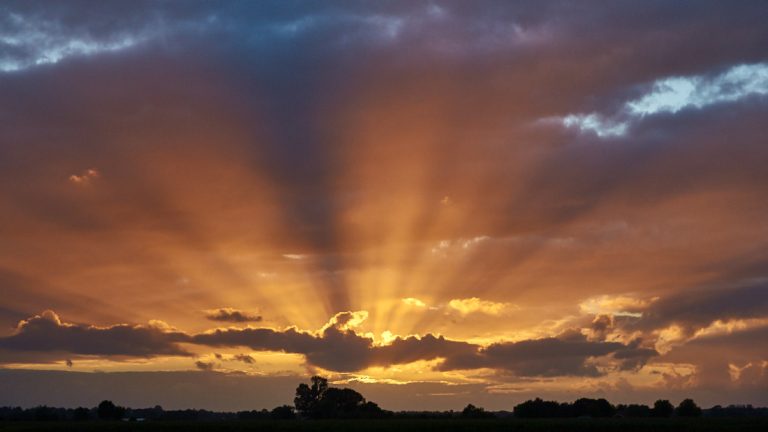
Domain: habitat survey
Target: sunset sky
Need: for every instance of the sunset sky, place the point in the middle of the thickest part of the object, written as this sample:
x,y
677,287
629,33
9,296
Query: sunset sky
x,y
435,203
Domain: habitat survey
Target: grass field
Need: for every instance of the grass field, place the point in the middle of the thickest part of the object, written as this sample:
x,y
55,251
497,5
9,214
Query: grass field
x,y
404,425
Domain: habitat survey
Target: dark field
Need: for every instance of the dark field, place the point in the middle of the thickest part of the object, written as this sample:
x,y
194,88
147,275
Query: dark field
x,y
405,425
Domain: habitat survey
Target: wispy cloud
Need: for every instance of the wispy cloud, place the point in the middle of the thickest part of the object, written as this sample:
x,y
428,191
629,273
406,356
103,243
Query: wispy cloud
x,y
673,94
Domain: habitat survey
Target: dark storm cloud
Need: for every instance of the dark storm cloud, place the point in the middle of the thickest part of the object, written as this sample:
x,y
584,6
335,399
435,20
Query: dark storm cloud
x,y
232,315
47,333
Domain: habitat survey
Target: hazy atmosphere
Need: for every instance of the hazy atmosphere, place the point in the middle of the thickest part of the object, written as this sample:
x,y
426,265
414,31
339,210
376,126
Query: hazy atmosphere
x,y
432,202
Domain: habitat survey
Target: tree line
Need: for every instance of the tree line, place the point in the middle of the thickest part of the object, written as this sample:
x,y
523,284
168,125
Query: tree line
x,y
317,400
585,407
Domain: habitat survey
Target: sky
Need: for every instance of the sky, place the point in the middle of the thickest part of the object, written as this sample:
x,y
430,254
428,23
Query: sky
x,y
436,203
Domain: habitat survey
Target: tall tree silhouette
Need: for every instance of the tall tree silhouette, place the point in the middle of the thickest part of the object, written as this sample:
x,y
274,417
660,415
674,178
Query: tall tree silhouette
x,y
308,398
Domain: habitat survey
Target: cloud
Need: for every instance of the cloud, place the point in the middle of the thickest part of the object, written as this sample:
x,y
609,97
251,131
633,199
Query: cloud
x,y
622,305
697,308
30,37
445,248
411,301
567,355
47,333
295,257
733,360
85,177
415,348
670,95
245,358
231,315
205,366
334,350
471,305
464,306
346,320
601,326
595,123
338,348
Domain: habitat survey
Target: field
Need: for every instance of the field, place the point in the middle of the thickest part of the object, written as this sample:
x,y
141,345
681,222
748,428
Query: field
x,y
404,425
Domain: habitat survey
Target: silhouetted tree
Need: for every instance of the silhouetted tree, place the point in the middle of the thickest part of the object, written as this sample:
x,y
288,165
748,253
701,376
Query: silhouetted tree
x,y
337,402
372,410
109,411
473,412
307,398
283,412
662,408
321,401
688,408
